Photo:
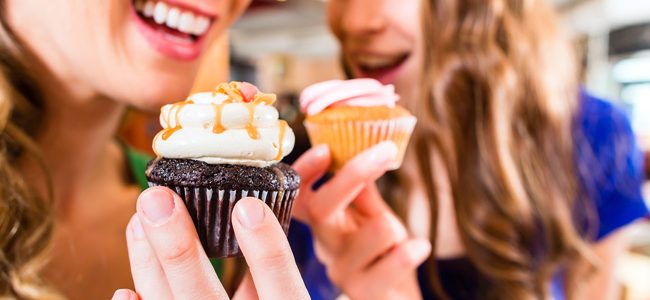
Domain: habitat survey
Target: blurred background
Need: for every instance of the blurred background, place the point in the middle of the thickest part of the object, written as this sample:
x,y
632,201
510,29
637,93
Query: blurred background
x,y
283,46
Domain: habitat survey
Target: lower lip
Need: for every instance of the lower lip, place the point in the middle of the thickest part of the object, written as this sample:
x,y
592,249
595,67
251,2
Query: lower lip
x,y
384,75
165,43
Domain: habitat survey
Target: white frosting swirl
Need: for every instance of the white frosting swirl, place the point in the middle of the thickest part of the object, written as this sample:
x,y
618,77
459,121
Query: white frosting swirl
x,y
192,130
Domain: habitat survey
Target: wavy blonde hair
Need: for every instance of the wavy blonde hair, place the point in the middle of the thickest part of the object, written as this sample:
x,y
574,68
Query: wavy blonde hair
x,y
500,86
25,218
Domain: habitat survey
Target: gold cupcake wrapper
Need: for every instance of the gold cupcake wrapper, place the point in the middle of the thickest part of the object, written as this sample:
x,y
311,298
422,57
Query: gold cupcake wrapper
x,y
347,138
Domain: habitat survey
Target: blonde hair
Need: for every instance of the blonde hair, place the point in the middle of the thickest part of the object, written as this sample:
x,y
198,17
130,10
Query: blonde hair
x,y
25,218
501,92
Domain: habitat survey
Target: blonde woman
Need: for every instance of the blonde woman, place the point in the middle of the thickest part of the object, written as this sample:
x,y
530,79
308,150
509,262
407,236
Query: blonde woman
x,y
517,185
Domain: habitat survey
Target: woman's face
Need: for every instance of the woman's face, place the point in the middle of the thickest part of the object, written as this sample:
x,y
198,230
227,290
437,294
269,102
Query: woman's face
x,y
380,39
143,53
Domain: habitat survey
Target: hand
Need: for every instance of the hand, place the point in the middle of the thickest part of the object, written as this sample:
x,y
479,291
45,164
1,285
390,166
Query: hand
x,y
364,246
168,261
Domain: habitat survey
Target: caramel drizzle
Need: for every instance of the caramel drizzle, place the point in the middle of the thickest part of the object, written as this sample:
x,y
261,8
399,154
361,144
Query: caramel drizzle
x,y
267,99
232,89
155,149
250,127
170,130
218,111
283,126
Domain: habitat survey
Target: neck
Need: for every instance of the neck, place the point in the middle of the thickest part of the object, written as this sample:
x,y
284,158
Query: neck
x,y
76,136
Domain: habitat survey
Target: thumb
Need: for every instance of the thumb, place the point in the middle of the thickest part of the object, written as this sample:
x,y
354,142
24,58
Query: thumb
x,y
267,251
125,294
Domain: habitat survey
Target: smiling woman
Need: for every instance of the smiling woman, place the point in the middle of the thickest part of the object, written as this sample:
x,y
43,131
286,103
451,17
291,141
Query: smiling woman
x,y
71,68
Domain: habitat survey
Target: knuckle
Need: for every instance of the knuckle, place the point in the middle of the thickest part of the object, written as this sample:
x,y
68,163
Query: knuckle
x,y
402,258
279,258
178,254
144,263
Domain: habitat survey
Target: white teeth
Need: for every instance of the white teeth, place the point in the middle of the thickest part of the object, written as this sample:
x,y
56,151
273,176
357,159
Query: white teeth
x,y
160,13
173,17
201,25
148,9
186,22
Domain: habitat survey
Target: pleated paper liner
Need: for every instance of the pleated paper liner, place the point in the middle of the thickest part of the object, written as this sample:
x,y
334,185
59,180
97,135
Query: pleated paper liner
x,y
347,138
211,212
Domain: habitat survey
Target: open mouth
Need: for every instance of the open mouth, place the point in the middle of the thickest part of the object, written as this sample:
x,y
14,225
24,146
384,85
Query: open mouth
x,y
381,67
370,63
174,23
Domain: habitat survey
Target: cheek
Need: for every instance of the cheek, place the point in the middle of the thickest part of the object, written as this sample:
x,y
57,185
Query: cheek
x,y
406,15
149,87
334,16
123,66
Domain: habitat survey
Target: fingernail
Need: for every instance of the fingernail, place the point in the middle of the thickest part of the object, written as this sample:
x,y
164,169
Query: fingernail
x,y
383,153
157,205
321,150
122,294
136,228
250,212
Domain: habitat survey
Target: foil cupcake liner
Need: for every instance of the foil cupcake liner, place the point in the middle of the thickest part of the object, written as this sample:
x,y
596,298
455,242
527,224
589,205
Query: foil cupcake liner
x,y
347,138
211,211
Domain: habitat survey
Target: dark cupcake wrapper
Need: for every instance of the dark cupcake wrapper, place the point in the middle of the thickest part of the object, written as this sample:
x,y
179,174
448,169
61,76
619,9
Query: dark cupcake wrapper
x,y
211,211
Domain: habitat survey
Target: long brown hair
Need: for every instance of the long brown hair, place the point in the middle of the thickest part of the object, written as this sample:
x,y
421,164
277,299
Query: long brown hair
x,y
25,217
500,91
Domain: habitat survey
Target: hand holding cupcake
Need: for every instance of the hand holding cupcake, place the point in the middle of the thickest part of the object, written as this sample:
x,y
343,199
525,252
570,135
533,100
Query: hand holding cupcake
x,y
351,116
218,147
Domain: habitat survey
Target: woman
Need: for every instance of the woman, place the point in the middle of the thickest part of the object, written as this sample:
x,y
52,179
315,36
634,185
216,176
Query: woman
x,y
516,185
69,70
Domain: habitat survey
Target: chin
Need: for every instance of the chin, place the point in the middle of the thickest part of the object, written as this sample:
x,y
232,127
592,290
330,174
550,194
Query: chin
x,y
156,95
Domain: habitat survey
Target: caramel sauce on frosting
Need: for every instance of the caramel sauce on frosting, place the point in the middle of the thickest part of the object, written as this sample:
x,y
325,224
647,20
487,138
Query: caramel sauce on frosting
x,y
255,149
177,125
218,108
283,128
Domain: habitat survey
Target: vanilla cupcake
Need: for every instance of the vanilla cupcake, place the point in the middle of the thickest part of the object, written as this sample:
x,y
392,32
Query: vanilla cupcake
x,y
218,147
351,116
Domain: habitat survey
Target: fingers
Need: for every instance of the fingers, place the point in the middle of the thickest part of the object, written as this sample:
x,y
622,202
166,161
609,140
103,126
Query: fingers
x,y
125,295
370,203
267,251
368,244
172,236
337,193
148,275
397,263
311,166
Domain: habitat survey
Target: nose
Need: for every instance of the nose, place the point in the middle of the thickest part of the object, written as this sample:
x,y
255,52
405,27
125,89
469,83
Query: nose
x,y
364,17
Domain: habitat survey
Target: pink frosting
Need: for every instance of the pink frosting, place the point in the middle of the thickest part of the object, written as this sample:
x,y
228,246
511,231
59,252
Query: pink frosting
x,y
356,92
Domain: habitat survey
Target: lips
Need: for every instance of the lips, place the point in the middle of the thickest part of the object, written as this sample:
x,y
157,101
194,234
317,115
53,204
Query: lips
x,y
384,68
175,30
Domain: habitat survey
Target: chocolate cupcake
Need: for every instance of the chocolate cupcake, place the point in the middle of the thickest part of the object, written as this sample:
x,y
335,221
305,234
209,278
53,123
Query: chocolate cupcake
x,y
217,148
